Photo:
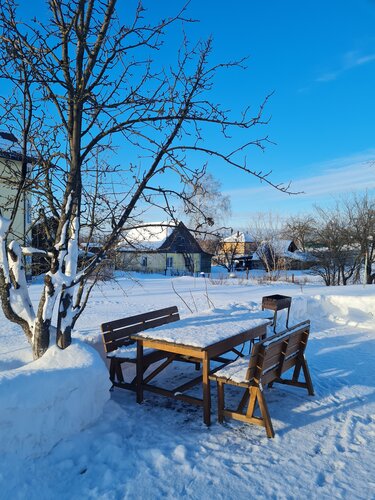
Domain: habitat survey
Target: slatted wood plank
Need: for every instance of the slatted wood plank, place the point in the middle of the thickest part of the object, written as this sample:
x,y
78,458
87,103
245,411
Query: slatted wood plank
x,y
275,348
289,363
117,333
112,346
255,361
122,333
276,358
270,376
139,318
297,343
276,371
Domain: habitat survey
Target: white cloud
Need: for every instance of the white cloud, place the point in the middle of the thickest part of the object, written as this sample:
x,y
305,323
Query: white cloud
x,y
327,179
350,60
339,176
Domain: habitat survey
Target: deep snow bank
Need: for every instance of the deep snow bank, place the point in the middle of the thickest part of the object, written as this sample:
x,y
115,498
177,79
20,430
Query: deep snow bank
x,y
50,399
355,309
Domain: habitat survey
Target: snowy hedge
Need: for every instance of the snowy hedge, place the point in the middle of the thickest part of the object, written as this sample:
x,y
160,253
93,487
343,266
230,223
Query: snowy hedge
x,y
50,399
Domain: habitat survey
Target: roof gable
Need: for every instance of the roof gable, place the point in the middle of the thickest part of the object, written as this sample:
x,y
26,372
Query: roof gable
x,y
148,237
181,241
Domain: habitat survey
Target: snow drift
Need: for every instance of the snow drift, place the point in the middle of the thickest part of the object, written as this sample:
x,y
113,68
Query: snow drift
x,y
50,399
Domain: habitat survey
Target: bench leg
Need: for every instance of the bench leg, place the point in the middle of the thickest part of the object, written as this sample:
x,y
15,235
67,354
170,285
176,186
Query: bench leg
x,y
296,372
244,400
115,371
140,371
256,396
302,363
308,380
206,389
265,414
112,371
253,399
220,402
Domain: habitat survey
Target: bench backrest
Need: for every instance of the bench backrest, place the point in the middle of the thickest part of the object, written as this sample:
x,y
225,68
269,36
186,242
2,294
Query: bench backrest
x,y
274,356
117,333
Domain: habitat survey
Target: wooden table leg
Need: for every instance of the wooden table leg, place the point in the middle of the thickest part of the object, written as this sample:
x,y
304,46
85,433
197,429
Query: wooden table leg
x,y
139,381
206,390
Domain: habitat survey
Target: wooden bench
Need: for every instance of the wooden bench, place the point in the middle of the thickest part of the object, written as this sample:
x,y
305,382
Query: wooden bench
x,y
266,364
120,348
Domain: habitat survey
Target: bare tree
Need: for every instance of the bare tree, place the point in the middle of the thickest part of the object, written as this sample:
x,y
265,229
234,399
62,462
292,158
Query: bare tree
x,y
300,230
266,229
360,213
227,250
210,243
336,252
206,207
78,79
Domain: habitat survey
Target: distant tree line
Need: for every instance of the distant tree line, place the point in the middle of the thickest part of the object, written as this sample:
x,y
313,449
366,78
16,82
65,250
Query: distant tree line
x,y
338,242
341,239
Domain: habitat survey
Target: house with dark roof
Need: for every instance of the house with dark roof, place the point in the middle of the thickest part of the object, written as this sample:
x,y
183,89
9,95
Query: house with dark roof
x,y
164,248
280,254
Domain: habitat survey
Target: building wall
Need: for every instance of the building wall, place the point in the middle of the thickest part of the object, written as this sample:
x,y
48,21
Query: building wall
x,y
239,248
8,176
230,247
157,262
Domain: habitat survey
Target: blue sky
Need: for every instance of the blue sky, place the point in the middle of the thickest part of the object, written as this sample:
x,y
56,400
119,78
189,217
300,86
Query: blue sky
x,y
318,56
319,59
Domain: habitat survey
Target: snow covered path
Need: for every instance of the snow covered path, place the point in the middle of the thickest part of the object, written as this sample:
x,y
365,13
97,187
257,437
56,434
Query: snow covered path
x,y
324,445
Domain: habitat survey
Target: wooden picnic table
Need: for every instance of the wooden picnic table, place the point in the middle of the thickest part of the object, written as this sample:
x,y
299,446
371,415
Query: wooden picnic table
x,y
202,338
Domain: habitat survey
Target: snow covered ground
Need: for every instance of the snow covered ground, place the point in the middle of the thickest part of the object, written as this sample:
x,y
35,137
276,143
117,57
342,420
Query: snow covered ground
x,y
324,445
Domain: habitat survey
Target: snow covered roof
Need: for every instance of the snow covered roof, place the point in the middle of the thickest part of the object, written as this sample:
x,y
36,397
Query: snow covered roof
x,y
239,237
303,256
149,237
10,148
275,247
281,247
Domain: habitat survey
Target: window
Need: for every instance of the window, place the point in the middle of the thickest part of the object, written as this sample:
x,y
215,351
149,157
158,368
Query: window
x,y
144,262
169,261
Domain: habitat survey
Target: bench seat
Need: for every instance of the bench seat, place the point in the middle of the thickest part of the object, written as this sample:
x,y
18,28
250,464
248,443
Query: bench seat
x,y
129,352
235,371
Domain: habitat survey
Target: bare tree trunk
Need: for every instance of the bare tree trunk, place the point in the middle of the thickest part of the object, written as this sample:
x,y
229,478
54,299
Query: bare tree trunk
x,y
41,338
369,276
65,319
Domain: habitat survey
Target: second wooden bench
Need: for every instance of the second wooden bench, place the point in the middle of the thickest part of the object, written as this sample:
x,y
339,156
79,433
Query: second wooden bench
x,y
120,348
268,361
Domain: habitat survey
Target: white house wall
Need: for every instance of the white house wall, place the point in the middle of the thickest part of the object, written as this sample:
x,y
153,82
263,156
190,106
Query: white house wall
x,y
9,170
156,262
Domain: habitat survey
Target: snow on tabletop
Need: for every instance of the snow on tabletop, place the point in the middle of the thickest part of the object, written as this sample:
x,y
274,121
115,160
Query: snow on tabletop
x,y
203,330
